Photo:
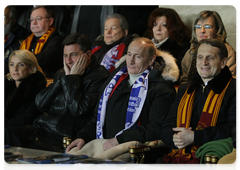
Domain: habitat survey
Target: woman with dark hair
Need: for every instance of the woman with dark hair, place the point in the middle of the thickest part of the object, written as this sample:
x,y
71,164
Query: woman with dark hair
x,y
168,32
22,84
207,25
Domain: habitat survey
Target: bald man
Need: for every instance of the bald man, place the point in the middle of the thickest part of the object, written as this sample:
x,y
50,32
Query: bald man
x,y
133,102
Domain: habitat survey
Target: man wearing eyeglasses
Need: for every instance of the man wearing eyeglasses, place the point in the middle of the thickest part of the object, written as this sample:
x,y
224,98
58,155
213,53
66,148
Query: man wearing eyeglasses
x,y
62,18
11,34
44,42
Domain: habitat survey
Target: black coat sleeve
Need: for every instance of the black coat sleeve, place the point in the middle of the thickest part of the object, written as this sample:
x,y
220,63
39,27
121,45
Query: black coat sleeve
x,y
171,120
81,99
45,98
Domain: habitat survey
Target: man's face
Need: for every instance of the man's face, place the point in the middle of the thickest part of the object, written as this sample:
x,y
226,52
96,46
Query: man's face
x,y
71,53
159,29
209,64
40,23
208,32
5,21
113,31
137,59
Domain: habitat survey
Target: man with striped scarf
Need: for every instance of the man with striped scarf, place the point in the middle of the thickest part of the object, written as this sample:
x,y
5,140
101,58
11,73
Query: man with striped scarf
x,y
133,102
204,109
45,41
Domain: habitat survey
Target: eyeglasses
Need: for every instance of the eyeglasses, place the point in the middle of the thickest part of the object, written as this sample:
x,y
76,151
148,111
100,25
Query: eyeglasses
x,y
37,19
205,27
3,18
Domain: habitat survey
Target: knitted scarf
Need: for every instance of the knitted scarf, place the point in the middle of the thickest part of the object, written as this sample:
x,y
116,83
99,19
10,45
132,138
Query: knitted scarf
x,y
136,100
208,118
42,40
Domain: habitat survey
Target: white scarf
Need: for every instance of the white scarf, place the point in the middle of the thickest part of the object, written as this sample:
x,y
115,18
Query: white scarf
x,y
157,45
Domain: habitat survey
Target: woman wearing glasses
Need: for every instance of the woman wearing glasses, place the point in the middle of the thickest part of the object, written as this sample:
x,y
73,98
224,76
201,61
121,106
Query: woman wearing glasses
x,y
168,33
208,24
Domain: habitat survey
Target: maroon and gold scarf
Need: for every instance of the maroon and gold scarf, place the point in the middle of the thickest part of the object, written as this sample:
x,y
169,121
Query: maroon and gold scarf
x,y
42,40
208,118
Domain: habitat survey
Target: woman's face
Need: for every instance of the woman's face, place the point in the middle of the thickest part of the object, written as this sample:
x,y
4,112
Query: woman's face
x,y
159,29
113,31
205,29
18,69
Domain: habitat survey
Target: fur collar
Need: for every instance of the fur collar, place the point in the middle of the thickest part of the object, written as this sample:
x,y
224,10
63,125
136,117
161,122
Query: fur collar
x,y
170,71
217,84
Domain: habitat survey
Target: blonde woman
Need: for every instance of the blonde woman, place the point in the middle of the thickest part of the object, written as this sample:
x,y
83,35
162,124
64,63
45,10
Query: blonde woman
x,y
24,80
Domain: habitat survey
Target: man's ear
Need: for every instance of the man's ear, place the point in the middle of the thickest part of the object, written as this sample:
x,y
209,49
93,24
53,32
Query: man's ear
x,y
89,53
125,33
224,62
151,61
51,21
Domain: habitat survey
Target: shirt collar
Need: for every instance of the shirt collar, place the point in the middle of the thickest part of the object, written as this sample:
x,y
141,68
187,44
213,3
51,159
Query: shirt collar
x,y
158,44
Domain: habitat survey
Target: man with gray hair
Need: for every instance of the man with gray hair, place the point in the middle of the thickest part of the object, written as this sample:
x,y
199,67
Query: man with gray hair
x,y
14,34
113,45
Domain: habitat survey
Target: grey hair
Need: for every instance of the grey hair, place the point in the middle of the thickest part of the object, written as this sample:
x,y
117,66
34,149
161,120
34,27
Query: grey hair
x,y
122,19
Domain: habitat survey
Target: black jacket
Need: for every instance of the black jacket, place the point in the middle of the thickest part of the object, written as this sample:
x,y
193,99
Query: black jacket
x,y
226,123
68,102
20,109
62,19
160,96
50,58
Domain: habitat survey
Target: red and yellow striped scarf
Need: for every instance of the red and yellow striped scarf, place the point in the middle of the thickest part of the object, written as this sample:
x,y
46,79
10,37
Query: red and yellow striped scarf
x,y
42,40
208,118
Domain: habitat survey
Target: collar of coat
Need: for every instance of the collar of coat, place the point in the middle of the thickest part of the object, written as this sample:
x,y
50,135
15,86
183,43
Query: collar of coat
x,y
217,84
